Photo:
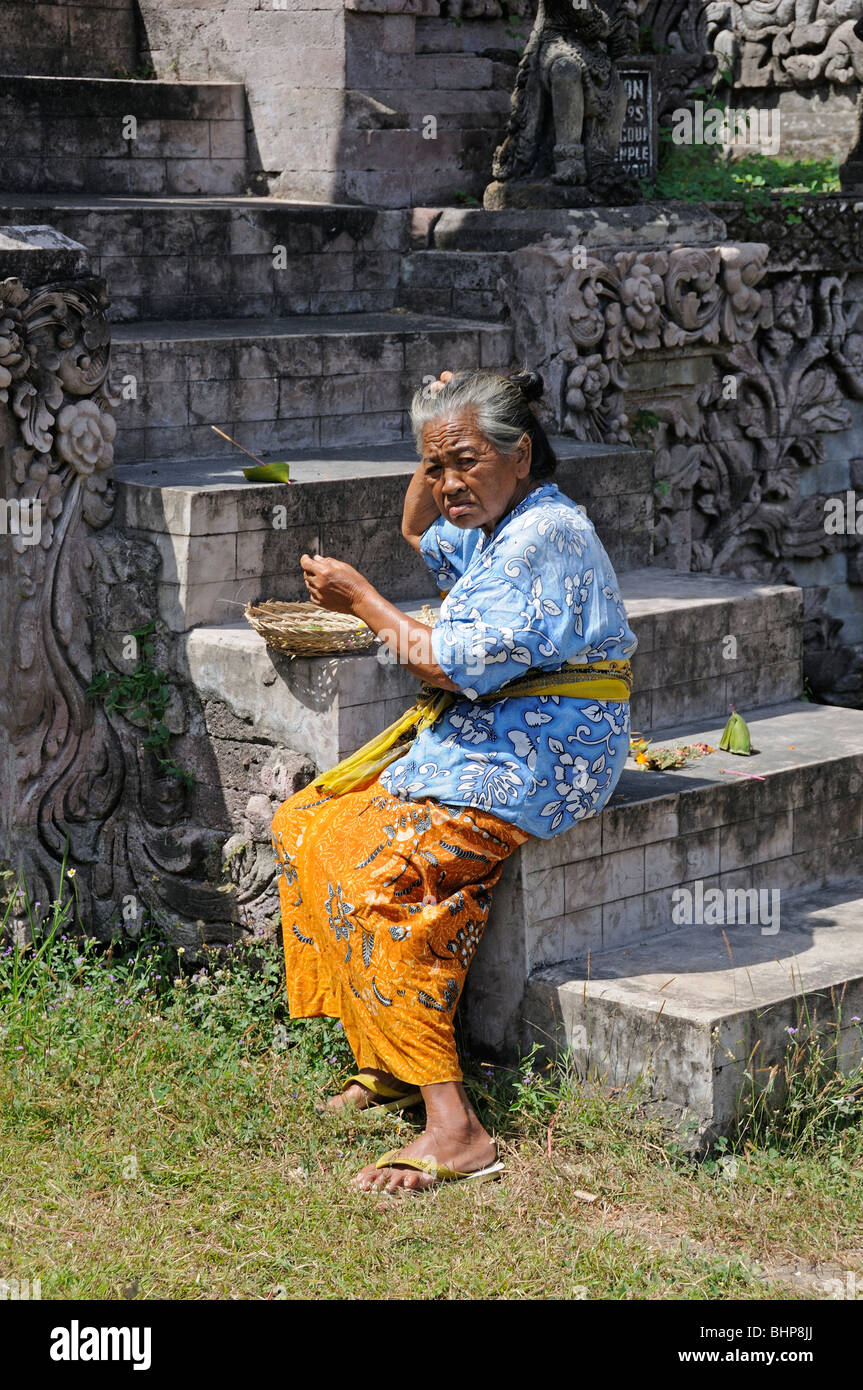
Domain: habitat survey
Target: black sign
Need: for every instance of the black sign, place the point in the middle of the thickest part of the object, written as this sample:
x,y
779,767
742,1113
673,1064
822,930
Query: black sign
x,y
638,144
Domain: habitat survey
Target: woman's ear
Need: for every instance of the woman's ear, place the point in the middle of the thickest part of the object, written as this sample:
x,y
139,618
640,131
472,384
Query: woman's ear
x,y
524,456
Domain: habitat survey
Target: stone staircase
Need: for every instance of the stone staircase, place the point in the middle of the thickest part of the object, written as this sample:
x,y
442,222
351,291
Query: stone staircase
x,y
316,364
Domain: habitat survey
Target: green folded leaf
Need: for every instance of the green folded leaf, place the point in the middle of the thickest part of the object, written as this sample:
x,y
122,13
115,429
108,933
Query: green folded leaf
x,y
735,736
268,473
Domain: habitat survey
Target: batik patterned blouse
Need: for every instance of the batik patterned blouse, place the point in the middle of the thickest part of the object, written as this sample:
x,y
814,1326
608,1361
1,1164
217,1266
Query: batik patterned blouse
x,y
538,592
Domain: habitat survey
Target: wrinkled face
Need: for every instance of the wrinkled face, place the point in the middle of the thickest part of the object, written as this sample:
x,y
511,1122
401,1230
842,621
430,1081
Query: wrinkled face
x,y
472,483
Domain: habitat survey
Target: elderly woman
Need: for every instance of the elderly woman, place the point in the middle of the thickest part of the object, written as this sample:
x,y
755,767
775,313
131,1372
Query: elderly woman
x,y
388,862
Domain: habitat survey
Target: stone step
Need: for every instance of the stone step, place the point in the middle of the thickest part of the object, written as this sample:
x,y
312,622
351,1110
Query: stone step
x,y
695,1009
446,282
291,383
789,819
190,258
69,37
222,542
105,135
354,695
644,224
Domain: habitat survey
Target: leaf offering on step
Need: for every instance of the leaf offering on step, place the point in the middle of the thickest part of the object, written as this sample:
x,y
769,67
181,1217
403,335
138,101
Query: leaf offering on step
x,y
735,736
668,759
268,473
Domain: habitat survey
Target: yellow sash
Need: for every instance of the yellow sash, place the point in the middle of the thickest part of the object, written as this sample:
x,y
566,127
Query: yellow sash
x,y
600,680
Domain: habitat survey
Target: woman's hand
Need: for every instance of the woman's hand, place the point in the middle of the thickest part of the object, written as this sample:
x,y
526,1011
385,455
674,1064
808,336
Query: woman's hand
x,y
435,386
333,584
342,589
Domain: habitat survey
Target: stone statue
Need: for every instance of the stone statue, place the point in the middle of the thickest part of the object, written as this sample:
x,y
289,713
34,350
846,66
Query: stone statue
x,y
568,109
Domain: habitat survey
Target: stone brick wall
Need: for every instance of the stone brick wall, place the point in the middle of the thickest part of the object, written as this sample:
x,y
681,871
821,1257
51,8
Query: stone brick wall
x,y
113,136
75,38
292,62
350,101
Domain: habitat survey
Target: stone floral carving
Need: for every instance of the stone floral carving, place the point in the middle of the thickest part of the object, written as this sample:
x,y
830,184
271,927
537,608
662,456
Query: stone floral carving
x,y
76,775
54,359
787,43
596,315
85,437
782,362
729,499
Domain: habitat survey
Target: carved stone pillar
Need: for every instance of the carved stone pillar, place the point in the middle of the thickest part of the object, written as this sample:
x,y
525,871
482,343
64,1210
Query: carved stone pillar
x,y
56,452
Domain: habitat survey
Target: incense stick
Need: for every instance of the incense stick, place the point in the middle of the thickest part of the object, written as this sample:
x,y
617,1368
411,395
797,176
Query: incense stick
x,y
238,446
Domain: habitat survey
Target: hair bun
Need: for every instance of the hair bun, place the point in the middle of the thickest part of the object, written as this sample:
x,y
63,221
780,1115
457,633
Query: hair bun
x,y
531,384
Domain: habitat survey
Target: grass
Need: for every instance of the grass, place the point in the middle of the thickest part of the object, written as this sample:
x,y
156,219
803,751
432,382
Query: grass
x,y
701,173
158,1139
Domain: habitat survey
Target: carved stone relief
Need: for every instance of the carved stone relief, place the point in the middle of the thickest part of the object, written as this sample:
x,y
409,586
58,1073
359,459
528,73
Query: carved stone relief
x,y
77,779
786,43
580,323
731,456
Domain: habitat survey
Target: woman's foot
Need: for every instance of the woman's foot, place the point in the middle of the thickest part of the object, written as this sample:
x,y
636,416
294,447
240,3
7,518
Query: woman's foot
x,y
453,1138
359,1097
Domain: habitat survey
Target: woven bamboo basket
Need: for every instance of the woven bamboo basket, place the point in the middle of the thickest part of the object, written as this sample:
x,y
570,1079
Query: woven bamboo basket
x,y
304,629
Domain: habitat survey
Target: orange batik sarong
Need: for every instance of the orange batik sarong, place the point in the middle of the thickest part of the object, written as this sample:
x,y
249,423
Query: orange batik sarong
x,y
384,903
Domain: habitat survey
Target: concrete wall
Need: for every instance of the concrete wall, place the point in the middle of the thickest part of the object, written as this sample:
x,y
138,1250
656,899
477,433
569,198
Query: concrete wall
x,y
81,38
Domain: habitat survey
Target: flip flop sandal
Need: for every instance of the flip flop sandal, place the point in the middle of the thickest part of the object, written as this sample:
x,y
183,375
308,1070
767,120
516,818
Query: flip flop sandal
x,y
388,1098
439,1171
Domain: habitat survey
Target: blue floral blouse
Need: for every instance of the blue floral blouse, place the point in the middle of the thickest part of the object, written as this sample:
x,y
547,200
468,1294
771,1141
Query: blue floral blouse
x,y
538,592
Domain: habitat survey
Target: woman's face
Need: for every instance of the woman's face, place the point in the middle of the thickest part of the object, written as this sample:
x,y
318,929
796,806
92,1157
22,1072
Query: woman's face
x,y
472,483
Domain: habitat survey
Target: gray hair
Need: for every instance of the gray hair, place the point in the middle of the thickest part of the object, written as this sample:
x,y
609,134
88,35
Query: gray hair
x,y
501,405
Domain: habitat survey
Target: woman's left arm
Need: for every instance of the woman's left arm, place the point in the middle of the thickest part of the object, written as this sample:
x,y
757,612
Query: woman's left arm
x,y
341,588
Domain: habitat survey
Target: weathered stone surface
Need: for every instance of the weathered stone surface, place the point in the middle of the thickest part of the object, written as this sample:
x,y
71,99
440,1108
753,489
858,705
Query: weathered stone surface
x,y
88,38
568,110
220,544
671,829
119,136
347,379
676,1013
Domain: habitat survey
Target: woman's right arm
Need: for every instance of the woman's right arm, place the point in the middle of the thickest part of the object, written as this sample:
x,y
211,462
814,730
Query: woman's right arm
x,y
420,509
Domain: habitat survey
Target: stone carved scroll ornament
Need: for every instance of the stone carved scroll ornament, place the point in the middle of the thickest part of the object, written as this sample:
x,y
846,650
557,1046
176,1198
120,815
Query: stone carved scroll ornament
x,y
730,490
58,435
786,43
730,496
583,318
79,776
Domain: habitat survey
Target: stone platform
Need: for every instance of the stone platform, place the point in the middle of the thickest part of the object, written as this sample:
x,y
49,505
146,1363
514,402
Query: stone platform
x,y
693,1011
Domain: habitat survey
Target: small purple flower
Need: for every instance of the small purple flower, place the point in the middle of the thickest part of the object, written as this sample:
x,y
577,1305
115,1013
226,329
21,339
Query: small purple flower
x,y
791,1030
